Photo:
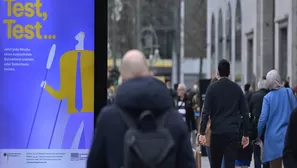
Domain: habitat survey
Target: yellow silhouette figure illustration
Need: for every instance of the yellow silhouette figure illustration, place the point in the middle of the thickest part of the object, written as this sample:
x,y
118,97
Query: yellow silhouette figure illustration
x,y
68,75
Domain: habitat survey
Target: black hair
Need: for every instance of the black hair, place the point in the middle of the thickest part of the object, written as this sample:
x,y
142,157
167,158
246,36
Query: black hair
x,y
247,87
286,84
224,68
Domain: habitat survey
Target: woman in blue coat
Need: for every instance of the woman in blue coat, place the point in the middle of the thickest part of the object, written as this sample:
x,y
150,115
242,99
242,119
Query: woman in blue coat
x,y
276,110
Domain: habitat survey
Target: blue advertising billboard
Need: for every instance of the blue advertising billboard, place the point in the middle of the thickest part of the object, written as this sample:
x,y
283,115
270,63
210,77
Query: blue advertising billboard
x,y
47,86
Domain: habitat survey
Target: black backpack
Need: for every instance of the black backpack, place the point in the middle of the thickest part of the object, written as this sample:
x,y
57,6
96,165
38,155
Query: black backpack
x,y
148,148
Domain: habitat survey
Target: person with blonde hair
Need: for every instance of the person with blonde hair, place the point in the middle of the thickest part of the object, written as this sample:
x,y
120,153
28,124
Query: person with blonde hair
x,y
276,110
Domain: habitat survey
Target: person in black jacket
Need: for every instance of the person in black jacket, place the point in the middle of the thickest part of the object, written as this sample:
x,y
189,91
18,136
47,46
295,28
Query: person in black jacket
x,y
184,106
255,108
290,149
138,92
247,92
224,105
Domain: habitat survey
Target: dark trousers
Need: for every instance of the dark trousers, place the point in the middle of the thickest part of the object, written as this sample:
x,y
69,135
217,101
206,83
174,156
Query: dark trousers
x,y
257,157
226,145
208,151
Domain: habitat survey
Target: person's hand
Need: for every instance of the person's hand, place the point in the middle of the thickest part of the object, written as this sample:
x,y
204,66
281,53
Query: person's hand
x,y
43,84
202,139
245,141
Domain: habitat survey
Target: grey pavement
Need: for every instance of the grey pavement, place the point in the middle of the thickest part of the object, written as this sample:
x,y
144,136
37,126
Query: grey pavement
x,y
204,162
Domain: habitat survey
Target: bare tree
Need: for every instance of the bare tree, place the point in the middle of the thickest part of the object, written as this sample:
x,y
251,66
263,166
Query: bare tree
x,y
160,14
124,29
196,30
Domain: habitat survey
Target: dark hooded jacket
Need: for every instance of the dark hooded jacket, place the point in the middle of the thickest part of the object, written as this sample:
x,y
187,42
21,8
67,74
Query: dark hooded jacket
x,y
255,108
135,96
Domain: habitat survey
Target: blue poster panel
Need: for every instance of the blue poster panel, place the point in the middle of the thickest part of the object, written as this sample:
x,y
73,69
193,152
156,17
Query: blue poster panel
x,y
47,83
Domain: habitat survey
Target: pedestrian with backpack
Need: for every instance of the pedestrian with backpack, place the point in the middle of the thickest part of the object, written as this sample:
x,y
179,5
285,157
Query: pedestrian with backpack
x,y
141,129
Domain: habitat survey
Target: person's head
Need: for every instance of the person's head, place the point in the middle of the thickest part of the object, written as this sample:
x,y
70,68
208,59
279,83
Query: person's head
x,y
134,65
80,36
247,87
195,86
262,84
273,80
224,68
181,89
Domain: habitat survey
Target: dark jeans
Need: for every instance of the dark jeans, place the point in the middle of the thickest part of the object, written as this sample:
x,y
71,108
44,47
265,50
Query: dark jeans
x,y
257,157
226,145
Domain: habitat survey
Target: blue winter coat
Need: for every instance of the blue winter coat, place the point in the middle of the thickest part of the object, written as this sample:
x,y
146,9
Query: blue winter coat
x,y
276,111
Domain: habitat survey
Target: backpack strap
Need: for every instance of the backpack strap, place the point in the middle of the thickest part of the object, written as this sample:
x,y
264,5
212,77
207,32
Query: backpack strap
x,y
145,114
130,122
162,119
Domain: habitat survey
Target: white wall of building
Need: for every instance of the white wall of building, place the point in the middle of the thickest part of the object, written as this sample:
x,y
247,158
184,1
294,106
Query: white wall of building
x,y
191,69
283,17
253,26
192,66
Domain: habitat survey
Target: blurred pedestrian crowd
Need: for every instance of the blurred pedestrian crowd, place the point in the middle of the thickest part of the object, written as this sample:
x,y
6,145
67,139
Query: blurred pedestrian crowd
x,y
232,124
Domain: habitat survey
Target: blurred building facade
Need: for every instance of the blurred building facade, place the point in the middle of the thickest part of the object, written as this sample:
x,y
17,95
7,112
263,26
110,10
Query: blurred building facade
x,y
255,36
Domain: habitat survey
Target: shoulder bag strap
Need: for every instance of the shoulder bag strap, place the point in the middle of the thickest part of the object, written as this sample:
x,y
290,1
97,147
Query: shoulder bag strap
x,y
182,104
130,122
289,97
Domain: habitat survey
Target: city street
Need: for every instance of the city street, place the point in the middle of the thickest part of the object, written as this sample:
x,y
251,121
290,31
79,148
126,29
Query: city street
x,y
205,162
